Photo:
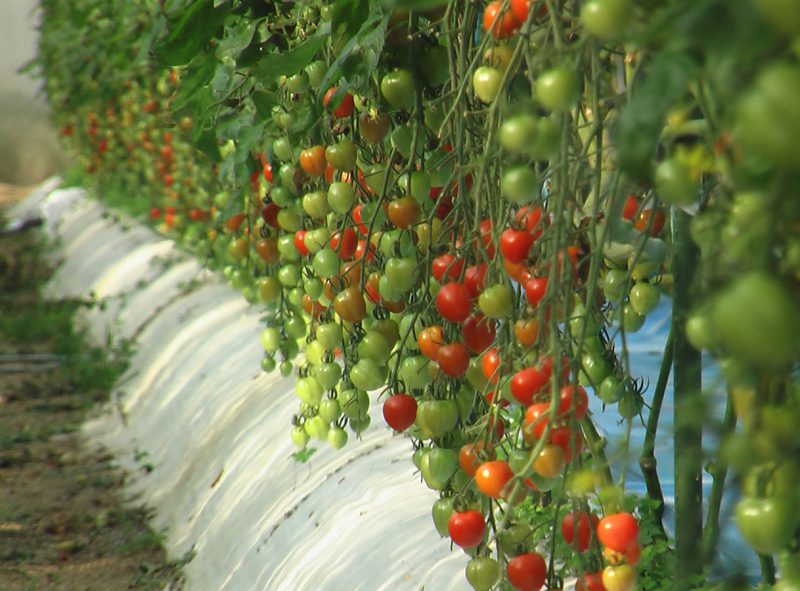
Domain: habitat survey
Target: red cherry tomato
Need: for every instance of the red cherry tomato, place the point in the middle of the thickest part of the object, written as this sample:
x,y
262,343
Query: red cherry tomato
x,y
527,572
453,302
400,411
585,527
618,531
466,528
526,383
453,359
492,477
478,333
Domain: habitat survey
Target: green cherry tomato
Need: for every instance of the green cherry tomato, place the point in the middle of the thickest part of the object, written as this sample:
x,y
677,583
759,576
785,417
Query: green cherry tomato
x,y
438,466
766,524
595,369
519,184
297,83
341,197
757,319
674,182
367,375
374,346
330,335
330,410
486,81
496,301
271,339
328,375
768,118
414,371
317,428
289,275
632,321
337,437
309,390
299,436
326,263
606,19
316,72
441,511
282,149
269,289
611,389
354,404
315,204
644,298
342,155
399,90
517,134
483,573
557,89
437,417
615,284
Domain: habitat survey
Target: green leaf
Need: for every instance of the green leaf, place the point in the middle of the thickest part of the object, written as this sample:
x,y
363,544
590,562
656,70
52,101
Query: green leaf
x,y
638,128
237,38
348,16
191,33
200,72
304,455
358,58
263,102
417,4
274,65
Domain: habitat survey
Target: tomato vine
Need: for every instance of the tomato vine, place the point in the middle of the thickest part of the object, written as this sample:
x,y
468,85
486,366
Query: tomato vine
x,y
461,211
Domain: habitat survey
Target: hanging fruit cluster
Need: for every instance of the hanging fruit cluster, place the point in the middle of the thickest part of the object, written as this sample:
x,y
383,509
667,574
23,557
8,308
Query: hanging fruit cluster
x,y
458,211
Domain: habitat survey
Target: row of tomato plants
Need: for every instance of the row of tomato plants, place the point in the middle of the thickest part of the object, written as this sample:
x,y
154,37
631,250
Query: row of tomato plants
x,y
458,211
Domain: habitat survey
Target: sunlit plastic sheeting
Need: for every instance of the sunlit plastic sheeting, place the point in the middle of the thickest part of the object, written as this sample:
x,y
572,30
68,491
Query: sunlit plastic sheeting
x,y
204,434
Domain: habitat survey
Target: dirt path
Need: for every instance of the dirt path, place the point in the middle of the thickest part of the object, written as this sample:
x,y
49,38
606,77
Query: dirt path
x,y
62,523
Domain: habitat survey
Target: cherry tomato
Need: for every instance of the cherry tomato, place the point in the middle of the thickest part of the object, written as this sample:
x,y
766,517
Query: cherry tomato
x,y
430,340
453,359
527,383
527,572
490,364
631,207
587,522
500,24
643,221
472,455
344,108
516,244
350,305
571,402
478,332
447,264
591,582
618,531
483,573
312,160
399,90
400,411
492,477
527,331
535,289
536,420
453,302
474,279
466,528
550,461
619,578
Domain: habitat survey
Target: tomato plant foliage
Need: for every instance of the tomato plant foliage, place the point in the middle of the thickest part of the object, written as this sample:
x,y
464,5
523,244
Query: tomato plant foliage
x,y
458,210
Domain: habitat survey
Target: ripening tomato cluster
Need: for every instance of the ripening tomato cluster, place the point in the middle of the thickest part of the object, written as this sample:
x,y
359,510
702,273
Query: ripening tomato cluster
x,y
437,221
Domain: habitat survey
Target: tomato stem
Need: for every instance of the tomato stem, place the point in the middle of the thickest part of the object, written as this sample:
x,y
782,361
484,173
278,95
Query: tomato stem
x,y
688,420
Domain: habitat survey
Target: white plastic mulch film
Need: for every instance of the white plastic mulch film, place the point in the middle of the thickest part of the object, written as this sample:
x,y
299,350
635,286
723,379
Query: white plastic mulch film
x,y
204,433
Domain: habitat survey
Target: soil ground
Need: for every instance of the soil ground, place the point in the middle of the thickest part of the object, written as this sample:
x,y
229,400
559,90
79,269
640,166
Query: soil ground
x,y
63,523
